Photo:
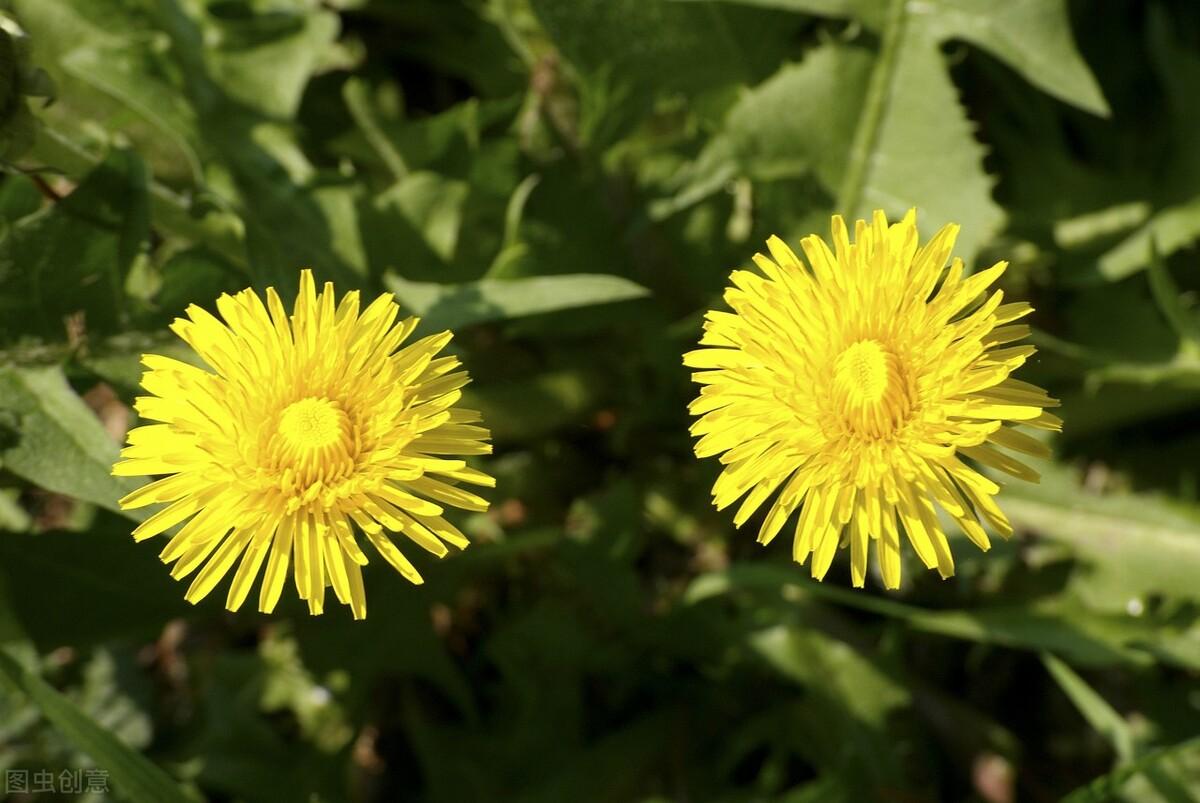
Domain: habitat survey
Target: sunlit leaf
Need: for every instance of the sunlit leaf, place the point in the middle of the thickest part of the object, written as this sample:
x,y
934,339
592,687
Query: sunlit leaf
x,y
53,440
451,306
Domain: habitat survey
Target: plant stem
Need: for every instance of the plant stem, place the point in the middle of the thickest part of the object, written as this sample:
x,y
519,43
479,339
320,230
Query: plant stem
x,y
867,132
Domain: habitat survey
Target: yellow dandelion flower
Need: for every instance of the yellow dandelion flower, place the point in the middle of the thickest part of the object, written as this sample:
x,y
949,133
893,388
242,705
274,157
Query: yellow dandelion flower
x,y
305,426
853,387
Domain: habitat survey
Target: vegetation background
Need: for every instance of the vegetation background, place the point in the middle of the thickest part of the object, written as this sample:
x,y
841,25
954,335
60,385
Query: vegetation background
x,y
567,184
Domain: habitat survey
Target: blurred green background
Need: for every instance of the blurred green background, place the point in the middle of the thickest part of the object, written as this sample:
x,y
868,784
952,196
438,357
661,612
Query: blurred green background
x,y
567,184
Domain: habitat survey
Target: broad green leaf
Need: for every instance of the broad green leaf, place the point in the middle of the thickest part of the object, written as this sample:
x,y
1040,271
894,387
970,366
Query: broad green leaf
x,y
887,132
668,49
191,275
270,177
681,46
18,80
773,127
432,205
1057,624
924,153
900,138
77,21
287,227
172,212
452,306
385,138
134,777
1133,545
1031,36
130,72
53,440
73,256
264,60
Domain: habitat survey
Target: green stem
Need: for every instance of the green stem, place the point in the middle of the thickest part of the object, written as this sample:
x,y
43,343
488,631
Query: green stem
x,y
867,132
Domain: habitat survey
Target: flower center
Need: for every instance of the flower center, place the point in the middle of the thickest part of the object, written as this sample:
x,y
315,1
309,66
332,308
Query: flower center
x,y
869,389
312,424
312,453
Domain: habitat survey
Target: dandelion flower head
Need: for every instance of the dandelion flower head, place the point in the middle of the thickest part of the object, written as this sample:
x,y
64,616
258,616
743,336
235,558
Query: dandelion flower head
x,y
305,431
865,387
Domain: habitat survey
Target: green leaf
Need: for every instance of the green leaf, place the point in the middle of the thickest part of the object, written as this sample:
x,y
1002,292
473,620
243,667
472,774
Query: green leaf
x,y
771,134
264,60
854,697
681,46
452,306
358,101
54,441
131,73
173,213
286,228
18,80
829,8
134,777
1108,787
1169,229
1133,544
923,153
194,274
885,132
668,50
819,661
1057,624
1095,709
73,257
1172,53
432,205
19,196
1031,36
896,136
